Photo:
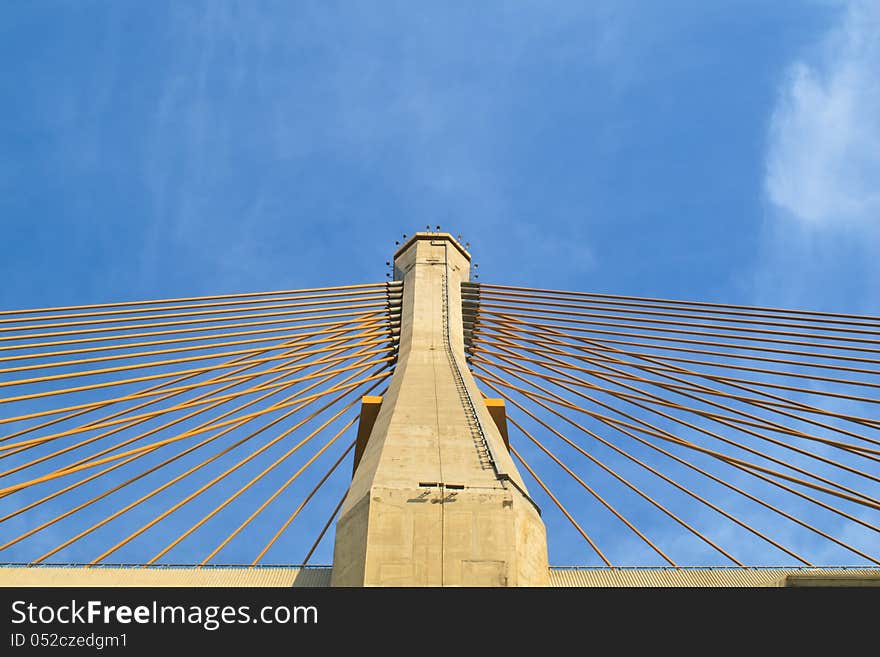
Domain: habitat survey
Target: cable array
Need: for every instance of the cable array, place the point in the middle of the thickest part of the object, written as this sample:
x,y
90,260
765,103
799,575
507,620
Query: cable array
x,y
185,430
666,431
214,429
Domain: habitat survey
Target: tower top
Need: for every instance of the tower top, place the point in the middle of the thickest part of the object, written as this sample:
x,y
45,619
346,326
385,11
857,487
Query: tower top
x,y
438,236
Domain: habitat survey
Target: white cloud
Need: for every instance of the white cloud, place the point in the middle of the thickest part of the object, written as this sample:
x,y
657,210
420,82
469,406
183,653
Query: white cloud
x,y
823,159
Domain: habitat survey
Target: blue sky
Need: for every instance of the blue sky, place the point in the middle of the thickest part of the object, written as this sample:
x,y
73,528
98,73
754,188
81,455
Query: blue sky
x,y
719,151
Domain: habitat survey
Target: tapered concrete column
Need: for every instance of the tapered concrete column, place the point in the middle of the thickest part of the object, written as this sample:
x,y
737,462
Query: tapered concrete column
x,y
436,499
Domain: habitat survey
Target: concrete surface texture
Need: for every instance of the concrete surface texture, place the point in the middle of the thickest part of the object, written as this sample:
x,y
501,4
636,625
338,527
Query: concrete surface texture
x,y
436,499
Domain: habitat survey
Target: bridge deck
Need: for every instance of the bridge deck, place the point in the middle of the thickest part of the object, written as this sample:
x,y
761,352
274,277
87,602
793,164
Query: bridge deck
x,y
287,576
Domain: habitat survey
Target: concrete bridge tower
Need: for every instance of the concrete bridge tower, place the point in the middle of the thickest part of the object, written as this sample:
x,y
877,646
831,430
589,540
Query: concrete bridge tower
x,y
435,498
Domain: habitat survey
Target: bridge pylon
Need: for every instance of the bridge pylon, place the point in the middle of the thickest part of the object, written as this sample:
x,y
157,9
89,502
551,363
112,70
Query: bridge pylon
x,y
435,498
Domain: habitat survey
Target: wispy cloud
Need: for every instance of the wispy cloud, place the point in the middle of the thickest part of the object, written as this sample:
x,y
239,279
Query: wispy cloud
x,y
823,164
822,178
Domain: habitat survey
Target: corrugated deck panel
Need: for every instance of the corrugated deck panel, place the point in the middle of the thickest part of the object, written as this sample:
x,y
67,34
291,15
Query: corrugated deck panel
x,y
693,577
189,577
